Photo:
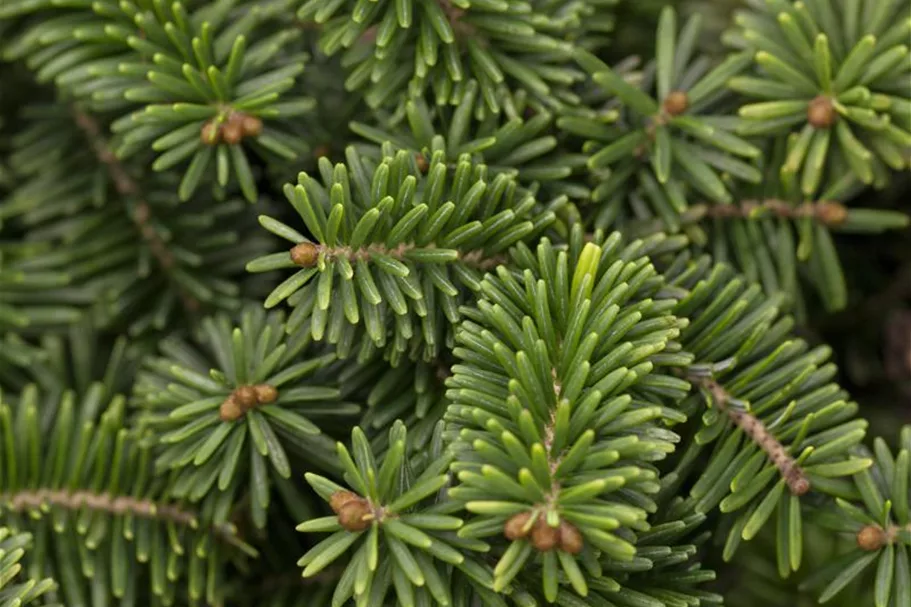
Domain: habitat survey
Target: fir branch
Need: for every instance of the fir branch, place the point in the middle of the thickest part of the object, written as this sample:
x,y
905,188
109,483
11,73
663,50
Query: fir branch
x,y
235,405
827,212
753,427
580,414
306,254
127,186
36,499
420,239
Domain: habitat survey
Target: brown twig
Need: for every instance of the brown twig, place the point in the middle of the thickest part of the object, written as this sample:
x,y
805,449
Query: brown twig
x,y
827,212
306,254
37,499
754,428
127,186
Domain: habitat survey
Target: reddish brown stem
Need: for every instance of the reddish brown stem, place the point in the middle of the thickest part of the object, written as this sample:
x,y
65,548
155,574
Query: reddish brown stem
x,y
126,186
827,212
754,428
306,254
36,499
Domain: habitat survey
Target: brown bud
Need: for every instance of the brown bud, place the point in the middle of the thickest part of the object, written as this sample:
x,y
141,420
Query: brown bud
x,y
821,112
422,163
517,526
340,498
232,132
230,410
251,125
265,394
831,213
355,515
305,254
544,537
871,538
210,133
245,396
676,103
799,486
570,538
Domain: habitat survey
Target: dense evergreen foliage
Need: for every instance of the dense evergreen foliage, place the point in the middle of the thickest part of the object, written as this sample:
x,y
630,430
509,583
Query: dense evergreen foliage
x,y
402,303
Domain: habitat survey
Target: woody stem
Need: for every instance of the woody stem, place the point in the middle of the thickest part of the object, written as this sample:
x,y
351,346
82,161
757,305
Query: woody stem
x,y
757,431
126,186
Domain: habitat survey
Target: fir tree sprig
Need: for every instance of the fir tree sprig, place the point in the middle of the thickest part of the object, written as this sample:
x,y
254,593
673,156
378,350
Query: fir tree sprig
x,y
880,523
672,140
542,413
780,427
841,92
125,247
402,535
233,412
404,243
104,523
441,47
554,372
785,241
201,91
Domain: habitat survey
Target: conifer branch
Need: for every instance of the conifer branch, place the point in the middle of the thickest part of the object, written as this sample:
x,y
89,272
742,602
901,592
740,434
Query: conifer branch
x,y
757,431
36,499
307,254
127,186
826,212
524,275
